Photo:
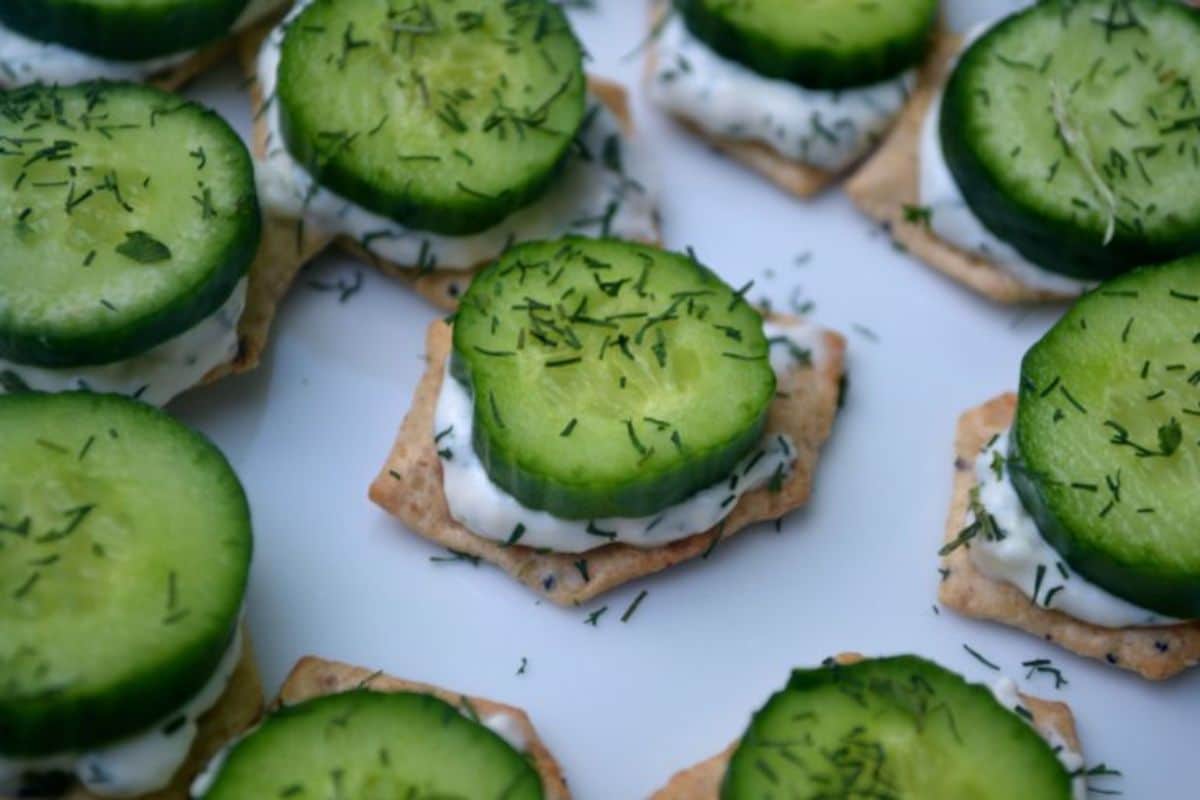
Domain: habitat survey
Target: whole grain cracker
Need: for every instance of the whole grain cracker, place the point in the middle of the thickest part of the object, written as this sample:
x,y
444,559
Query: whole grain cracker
x,y
887,186
240,707
1155,653
410,485
440,286
317,677
703,781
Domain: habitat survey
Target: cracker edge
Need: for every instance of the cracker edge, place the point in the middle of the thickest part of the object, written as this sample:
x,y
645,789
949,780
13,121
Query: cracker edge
x,y
240,707
703,781
969,592
409,486
441,287
889,180
316,677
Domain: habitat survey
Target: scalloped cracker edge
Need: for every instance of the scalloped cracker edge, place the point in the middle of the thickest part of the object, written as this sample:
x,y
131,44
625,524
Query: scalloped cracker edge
x,y
409,485
888,182
239,708
703,781
317,677
1155,653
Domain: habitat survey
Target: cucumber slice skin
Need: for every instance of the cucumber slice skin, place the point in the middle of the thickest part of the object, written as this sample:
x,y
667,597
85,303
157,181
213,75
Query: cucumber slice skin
x,y
371,744
623,456
817,734
123,30
90,303
1044,223
732,30
458,162
71,677
1144,548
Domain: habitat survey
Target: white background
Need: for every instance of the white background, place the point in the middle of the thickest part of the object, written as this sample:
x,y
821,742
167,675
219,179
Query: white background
x,y
623,706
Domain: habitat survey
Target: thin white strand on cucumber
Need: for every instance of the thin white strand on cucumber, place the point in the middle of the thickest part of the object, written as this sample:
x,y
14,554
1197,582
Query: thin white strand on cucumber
x,y
1080,149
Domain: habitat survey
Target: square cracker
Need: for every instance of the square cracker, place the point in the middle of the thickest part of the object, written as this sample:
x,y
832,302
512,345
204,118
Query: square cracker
x,y
889,181
440,286
410,485
240,707
703,781
316,677
1155,653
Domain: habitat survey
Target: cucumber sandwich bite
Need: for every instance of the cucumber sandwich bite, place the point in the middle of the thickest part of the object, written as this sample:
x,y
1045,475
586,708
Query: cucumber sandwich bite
x,y
798,92
125,546
1055,150
1074,511
898,727
600,410
132,227
339,731
428,137
166,42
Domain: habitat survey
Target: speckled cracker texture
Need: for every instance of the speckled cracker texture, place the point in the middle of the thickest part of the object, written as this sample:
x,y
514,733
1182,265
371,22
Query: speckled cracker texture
x,y
316,677
410,486
889,182
1154,653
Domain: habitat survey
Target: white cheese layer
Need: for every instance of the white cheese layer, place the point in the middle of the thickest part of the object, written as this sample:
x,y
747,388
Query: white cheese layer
x,y
489,511
24,60
826,129
1005,692
139,764
155,376
508,728
1026,560
592,194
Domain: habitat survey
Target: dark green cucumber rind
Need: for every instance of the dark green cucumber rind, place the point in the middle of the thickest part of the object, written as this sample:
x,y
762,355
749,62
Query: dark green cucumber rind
x,y
52,720
444,201
861,766
1112,547
535,473
828,66
34,344
123,30
1055,238
301,750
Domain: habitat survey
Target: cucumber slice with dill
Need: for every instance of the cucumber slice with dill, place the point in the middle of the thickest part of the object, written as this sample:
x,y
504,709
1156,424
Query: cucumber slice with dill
x,y
124,553
130,215
123,30
899,727
1071,130
443,116
1105,452
364,744
820,44
609,379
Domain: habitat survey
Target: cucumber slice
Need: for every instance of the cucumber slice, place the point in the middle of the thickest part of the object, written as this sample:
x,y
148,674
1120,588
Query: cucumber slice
x,y
124,552
443,116
123,30
610,379
899,727
364,744
132,215
819,44
1071,130
1104,454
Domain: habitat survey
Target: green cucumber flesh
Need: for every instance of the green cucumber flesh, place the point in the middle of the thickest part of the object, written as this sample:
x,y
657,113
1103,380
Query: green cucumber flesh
x,y
818,44
1070,128
899,727
364,744
130,216
442,116
124,553
609,379
1105,454
123,30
